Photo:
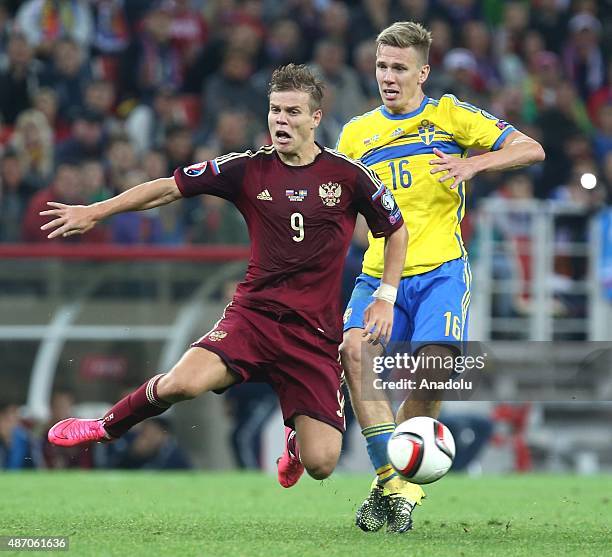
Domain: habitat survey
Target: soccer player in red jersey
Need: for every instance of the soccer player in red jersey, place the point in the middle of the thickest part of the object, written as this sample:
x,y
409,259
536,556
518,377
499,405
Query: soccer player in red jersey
x,y
300,201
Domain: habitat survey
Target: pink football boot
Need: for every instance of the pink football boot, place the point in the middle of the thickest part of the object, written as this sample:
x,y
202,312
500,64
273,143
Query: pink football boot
x,y
72,431
290,469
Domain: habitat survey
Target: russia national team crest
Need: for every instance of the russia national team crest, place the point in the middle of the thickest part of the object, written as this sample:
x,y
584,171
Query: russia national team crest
x,y
195,169
214,336
330,193
427,131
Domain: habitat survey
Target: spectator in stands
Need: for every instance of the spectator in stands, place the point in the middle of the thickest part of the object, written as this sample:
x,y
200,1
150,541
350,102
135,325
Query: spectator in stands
x,y
153,447
33,141
155,165
111,27
86,139
600,97
178,147
5,24
443,34
464,81
336,25
14,196
188,31
460,11
602,141
46,21
94,181
511,31
572,228
139,227
512,263
231,133
62,406
66,188
99,96
283,44
19,78
549,18
329,129
365,60
477,39
541,84
67,75
15,443
152,61
45,100
147,125
582,56
560,124
232,89
120,160
249,406
330,65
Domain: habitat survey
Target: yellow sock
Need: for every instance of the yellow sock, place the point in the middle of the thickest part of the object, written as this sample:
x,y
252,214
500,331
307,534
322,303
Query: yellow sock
x,y
413,492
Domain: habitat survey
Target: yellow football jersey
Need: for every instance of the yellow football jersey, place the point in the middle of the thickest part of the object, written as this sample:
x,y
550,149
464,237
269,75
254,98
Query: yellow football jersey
x,y
398,147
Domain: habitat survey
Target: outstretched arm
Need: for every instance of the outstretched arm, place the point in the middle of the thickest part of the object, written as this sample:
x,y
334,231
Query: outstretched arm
x,y
378,316
78,219
516,151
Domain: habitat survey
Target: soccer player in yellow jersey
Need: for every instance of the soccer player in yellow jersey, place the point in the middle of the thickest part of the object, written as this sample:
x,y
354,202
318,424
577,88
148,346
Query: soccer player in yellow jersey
x,y
418,147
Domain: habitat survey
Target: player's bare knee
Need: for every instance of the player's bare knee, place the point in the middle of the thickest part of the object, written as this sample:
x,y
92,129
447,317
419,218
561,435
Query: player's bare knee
x,y
350,355
320,470
320,465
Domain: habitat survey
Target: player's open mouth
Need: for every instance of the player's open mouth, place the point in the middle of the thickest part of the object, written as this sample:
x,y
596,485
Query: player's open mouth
x,y
282,136
390,94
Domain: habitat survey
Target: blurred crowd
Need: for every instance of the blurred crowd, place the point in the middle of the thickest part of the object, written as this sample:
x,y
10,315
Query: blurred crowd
x,y
99,95
24,445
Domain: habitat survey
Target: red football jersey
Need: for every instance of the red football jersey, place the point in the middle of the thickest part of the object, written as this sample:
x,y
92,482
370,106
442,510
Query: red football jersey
x,y
300,221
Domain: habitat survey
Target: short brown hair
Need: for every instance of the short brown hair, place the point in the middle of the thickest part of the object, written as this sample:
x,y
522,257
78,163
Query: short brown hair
x,y
298,77
405,34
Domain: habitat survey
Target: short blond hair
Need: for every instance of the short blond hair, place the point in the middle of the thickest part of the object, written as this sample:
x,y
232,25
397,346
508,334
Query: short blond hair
x,y
405,34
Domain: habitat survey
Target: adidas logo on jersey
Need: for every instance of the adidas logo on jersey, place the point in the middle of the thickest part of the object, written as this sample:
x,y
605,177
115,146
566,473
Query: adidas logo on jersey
x,y
264,196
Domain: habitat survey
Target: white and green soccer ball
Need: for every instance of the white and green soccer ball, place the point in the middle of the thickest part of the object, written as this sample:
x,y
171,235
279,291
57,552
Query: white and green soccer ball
x,y
421,450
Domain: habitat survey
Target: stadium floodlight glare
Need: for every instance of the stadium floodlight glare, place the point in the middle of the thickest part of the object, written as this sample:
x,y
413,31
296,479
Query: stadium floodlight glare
x,y
588,181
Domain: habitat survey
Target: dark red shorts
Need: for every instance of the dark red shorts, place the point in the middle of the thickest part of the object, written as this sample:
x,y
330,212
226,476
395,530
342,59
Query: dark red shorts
x,y
300,364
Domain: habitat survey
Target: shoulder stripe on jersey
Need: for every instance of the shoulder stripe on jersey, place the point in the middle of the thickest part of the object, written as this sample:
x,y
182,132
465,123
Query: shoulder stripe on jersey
x,y
400,151
376,181
354,119
356,162
266,149
461,104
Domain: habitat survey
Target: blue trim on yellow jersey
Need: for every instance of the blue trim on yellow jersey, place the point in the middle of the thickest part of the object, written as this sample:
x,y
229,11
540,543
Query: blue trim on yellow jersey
x,y
391,116
459,211
501,138
399,151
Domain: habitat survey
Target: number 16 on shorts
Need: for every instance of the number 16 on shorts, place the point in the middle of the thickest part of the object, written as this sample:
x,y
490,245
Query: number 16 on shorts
x,y
452,325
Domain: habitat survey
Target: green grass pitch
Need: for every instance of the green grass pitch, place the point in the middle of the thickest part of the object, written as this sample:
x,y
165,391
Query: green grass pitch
x,y
232,514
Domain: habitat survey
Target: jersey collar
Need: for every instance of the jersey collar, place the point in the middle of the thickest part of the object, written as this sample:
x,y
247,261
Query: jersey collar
x,y
392,116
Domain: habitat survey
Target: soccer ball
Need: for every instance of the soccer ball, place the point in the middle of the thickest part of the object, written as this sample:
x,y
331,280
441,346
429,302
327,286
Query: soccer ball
x,y
421,450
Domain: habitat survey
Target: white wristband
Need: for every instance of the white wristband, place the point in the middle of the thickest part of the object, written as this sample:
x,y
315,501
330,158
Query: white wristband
x,y
386,292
